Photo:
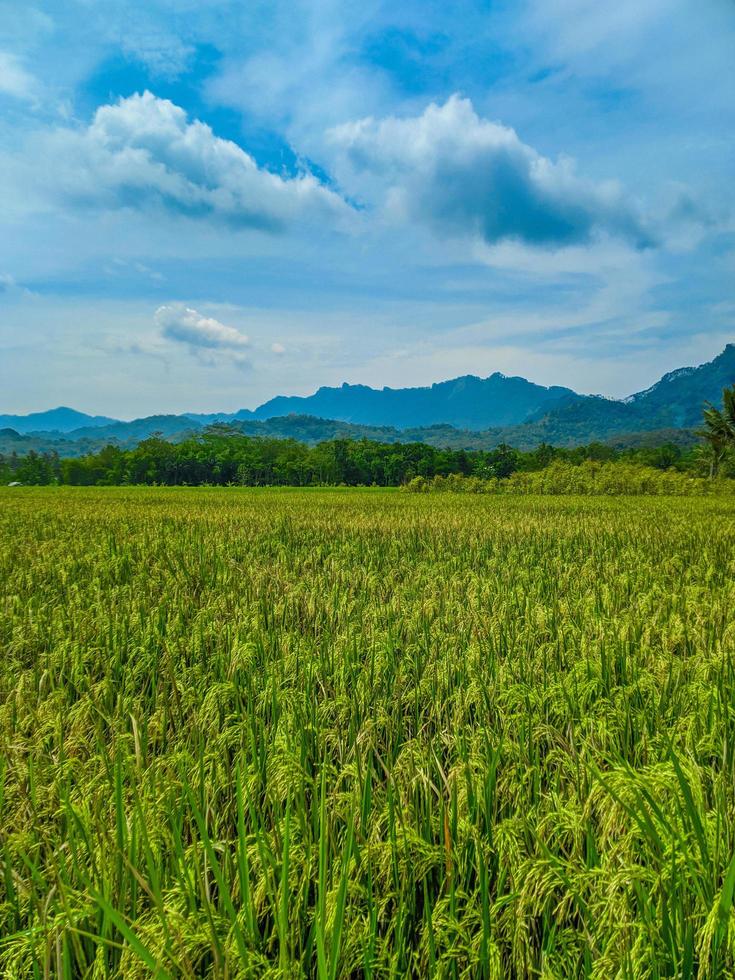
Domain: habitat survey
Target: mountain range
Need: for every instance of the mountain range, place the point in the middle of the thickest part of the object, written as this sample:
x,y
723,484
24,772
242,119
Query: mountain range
x,y
467,411
467,402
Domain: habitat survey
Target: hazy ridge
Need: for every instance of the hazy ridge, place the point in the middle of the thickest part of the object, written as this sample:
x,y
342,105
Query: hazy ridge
x,y
467,412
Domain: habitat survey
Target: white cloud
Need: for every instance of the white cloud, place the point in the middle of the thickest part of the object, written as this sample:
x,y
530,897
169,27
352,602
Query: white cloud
x,y
15,80
278,349
575,28
305,72
187,326
143,153
466,176
158,48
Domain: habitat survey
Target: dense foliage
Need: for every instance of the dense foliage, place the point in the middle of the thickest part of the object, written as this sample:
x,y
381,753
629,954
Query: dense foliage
x,y
311,430
588,478
719,430
221,457
360,733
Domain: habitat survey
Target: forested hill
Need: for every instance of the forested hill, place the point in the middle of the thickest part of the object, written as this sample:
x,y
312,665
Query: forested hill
x,y
469,412
515,407
677,399
60,419
310,430
468,402
675,402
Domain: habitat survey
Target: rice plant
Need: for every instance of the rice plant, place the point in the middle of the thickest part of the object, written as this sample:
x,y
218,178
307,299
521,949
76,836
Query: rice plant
x,y
340,733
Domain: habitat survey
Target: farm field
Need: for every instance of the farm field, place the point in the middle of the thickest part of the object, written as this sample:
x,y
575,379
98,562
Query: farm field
x,y
362,733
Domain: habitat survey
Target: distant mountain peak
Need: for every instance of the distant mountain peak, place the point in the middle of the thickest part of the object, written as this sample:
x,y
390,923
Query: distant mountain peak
x,y
61,419
522,409
465,402
678,397
665,379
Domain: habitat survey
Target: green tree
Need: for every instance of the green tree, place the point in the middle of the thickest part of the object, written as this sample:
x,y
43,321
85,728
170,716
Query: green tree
x,y
719,430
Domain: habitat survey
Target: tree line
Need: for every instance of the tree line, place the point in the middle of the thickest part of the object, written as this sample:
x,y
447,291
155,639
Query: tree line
x,y
222,457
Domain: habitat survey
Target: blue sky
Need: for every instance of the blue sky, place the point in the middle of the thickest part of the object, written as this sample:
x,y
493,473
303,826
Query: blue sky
x,y
204,205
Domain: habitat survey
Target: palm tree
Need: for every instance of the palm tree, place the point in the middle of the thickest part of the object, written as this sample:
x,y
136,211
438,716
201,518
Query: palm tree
x,y
719,429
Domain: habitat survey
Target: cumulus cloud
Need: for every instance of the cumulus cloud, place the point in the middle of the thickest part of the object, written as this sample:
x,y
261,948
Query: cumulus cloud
x,y
466,176
185,325
143,152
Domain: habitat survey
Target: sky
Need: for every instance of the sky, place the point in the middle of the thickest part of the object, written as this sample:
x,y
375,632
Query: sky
x,y
205,205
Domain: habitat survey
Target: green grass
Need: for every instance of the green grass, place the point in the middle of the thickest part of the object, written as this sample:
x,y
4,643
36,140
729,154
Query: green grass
x,y
363,733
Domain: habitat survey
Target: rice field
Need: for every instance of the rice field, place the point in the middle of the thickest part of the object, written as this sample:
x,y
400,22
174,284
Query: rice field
x,y
345,733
